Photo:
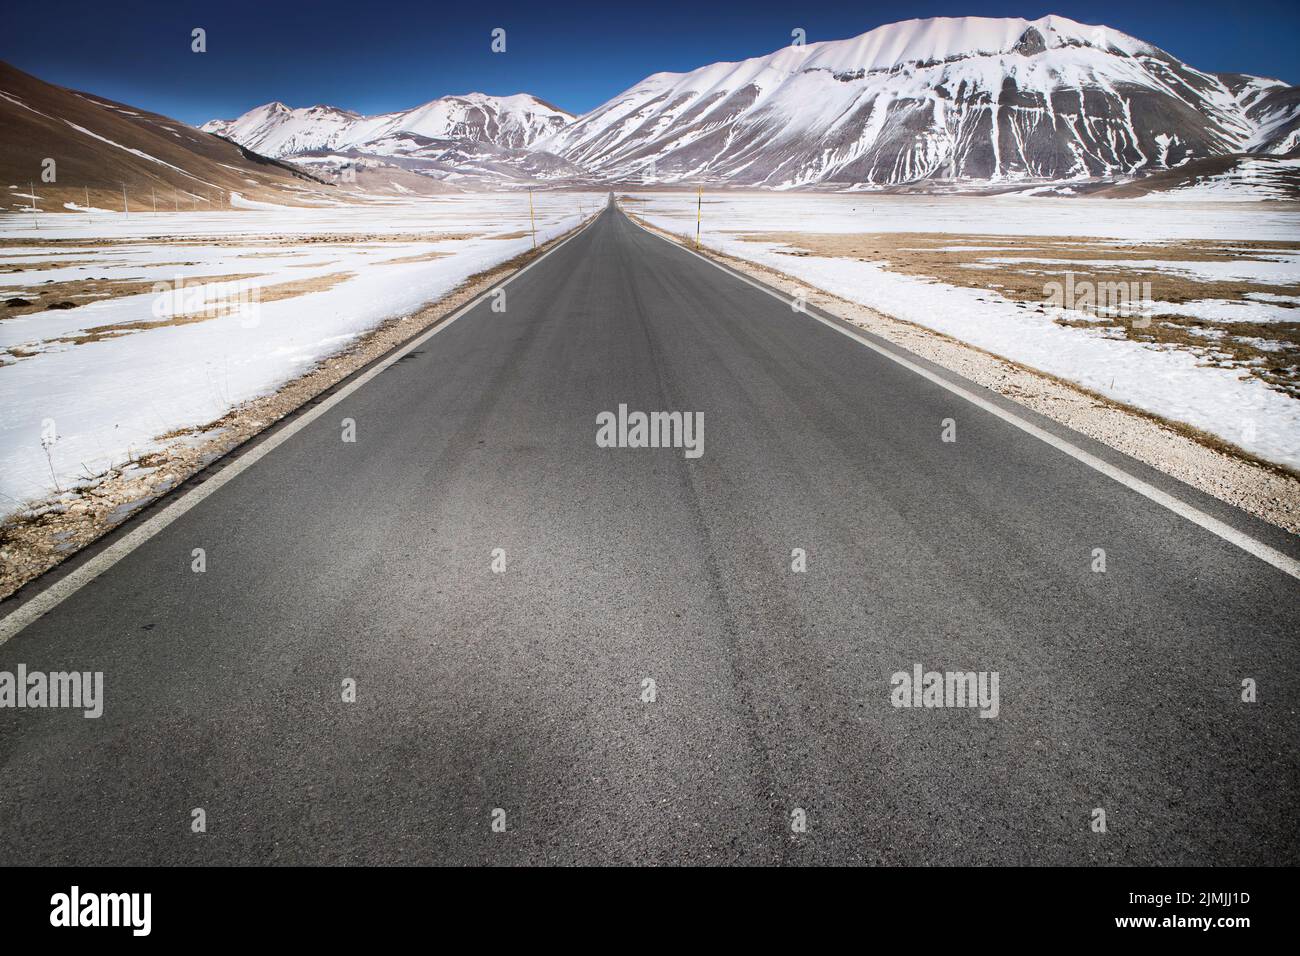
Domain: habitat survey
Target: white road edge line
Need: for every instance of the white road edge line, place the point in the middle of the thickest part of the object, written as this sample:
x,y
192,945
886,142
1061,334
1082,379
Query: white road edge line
x,y
1245,542
64,588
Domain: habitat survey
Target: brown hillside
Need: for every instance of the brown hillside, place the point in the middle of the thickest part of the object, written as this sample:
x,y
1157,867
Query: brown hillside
x,y
91,141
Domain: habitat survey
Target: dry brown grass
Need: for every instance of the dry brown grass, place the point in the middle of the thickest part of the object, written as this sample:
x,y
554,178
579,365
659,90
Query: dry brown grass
x,y
417,257
47,264
211,309
83,291
243,241
297,287
1270,351
345,238
956,260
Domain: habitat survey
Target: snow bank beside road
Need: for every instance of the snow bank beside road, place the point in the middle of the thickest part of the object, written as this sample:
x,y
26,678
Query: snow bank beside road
x,y
104,396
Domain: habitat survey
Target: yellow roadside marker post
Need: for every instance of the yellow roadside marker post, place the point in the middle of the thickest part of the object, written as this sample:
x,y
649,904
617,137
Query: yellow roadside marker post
x,y
699,213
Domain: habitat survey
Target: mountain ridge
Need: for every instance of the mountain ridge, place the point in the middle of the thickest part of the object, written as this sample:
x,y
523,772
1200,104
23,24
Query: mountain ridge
x,y
943,100
981,99
278,130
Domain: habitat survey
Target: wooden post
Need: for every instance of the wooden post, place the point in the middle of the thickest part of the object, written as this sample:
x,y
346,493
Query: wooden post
x,y
699,213
531,220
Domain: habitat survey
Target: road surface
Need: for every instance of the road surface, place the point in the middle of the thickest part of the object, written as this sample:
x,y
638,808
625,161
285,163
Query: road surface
x,y
516,696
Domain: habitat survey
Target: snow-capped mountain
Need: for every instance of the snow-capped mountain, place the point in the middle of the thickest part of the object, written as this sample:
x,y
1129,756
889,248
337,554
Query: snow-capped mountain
x,y
277,130
968,98
514,122
917,104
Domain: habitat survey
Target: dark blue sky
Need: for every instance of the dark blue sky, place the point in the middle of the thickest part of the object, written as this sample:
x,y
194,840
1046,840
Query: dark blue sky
x,y
379,55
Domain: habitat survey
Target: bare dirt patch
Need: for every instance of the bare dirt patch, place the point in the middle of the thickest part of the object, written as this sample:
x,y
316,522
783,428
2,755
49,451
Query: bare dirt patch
x,y
99,290
417,257
44,265
297,287
211,309
81,291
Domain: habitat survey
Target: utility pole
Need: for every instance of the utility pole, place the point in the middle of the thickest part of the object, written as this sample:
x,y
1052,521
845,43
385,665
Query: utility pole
x,y
531,220
31,187
126,211
154,194
87,188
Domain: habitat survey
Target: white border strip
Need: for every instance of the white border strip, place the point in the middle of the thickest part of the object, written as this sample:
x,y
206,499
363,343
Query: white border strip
x,y
1284,563
64,588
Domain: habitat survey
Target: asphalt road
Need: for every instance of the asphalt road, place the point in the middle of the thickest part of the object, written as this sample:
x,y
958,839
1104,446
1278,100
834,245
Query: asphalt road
x,y
522,690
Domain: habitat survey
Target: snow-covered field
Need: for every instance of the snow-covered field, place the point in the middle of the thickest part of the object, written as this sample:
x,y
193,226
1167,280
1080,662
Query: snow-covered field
x,y
82,388
1174,382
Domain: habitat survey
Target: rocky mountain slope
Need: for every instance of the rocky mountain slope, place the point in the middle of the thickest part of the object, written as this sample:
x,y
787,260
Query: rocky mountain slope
x,y
958,99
